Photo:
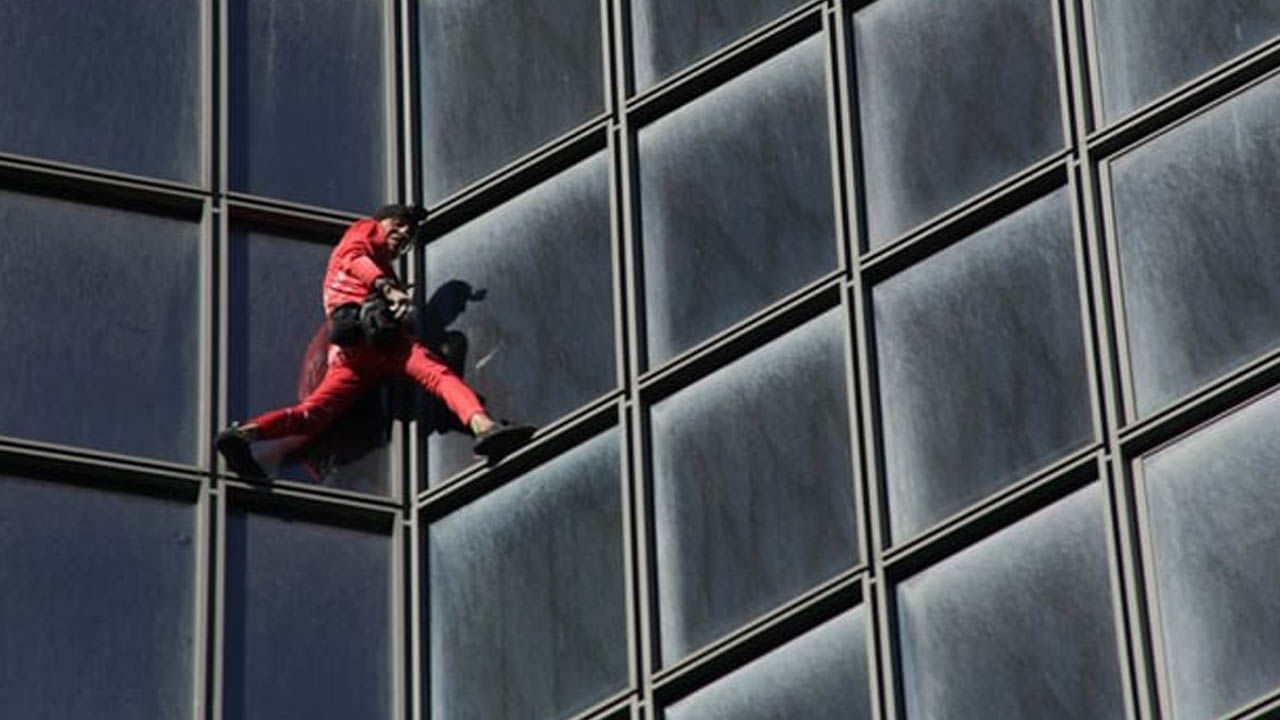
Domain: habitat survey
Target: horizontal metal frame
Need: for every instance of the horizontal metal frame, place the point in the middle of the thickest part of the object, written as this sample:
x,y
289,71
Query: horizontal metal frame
x,y
123,193
615,707
1265,707
40,461
369,517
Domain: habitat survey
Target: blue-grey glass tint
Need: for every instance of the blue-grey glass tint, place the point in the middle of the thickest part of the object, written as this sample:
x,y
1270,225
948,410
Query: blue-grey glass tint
x,y
982,365
1019,625
528,288
97,604
753,486
114,85
1149,47
274,312
955,96
670,34
308,621
307,108
1197,219
101,327
527,594
735,200
1213,499
500,78
821,674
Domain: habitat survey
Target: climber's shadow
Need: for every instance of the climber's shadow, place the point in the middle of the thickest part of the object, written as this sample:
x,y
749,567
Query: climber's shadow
x,y
439,312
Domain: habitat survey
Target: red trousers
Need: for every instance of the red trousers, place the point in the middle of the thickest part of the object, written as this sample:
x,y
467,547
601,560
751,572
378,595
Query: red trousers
x,y
351,371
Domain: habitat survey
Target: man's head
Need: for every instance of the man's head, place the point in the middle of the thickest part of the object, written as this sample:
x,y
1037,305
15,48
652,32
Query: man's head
x,y
400,223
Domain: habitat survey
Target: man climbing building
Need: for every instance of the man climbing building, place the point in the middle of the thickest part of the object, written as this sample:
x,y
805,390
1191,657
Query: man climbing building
x,y
366,307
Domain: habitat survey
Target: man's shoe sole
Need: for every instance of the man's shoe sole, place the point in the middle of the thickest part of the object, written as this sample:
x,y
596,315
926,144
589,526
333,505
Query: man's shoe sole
x,y
497,444
235,450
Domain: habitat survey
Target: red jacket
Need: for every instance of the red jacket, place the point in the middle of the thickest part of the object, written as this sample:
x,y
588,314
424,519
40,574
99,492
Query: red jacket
x,y
361,257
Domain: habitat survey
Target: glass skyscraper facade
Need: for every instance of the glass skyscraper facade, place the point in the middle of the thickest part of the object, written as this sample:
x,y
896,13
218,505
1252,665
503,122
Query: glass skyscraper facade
x,y
897,359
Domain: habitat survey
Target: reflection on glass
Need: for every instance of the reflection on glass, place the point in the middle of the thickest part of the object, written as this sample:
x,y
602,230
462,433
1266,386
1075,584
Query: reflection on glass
x,y
982,366
821,674
100,318
97,603
274,313
753,486
308,620
1148,47
1213,499
955,96
307,109
735,200
1197,221
670,34
1019,625
500,78
527,594
115,85
521,299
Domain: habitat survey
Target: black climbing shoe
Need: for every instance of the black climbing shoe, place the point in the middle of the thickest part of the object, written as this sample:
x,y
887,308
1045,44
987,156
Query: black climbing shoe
x,y
234,447
501,440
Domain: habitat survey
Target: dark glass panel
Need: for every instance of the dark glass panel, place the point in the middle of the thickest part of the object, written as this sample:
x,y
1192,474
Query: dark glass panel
x,y
670,34
528,287
1213,499
307,112
308,621
99,308
526,594
115,85
97,604
1018,625
821,674
736,200
753,486
1197,221
983,375
500,78
955,96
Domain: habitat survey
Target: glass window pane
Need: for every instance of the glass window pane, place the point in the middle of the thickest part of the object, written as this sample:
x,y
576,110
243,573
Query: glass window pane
x,y
753,486
735,200
97,603
274,312
1197,221
821,674
982,365
307,108
955,96
1018,625
116,85
500,78
100,317
528,289
670,34
1213,499
527,594
308,620
1148,47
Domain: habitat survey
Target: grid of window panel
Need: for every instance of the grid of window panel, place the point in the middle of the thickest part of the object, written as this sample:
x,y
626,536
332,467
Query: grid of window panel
x,y
891,359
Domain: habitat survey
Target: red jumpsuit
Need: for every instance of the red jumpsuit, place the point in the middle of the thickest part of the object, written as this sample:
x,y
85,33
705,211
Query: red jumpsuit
x,y
361,257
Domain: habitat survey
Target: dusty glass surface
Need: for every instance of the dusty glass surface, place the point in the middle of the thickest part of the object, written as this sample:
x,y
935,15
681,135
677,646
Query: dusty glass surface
x,y
99,621
1149,47
500,78
955,96
114,85
100,318
821,674
526,594
307,112
1213,499
308,621
1197,220
667,35
1018,625
524,294
753,486
982,365
274,311
735,200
